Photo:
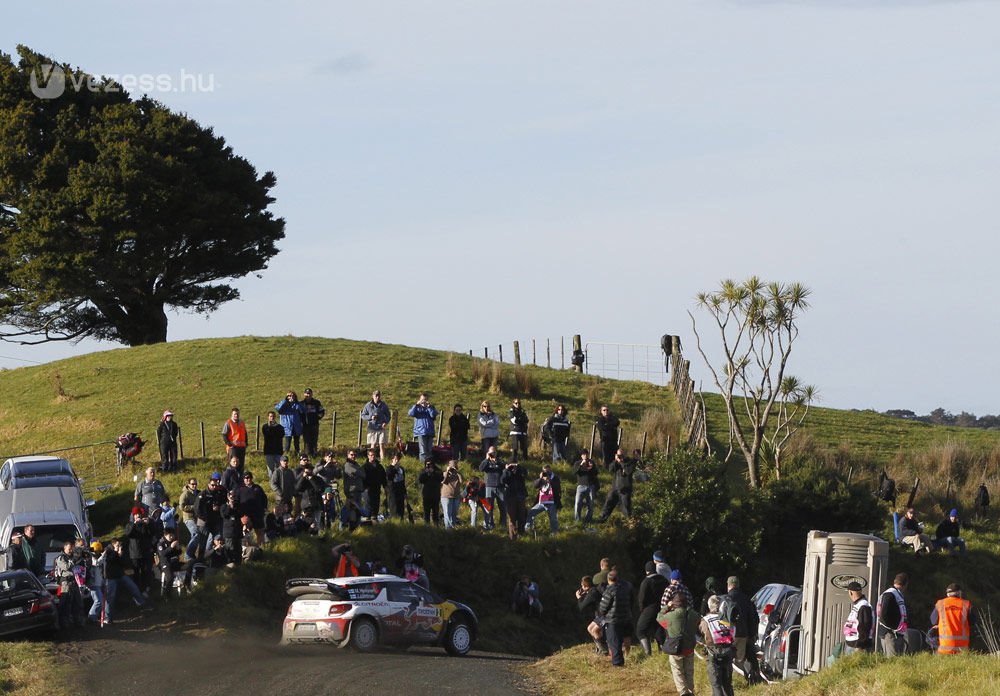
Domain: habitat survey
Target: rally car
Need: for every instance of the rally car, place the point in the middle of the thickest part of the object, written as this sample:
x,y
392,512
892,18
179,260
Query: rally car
x,y
364,612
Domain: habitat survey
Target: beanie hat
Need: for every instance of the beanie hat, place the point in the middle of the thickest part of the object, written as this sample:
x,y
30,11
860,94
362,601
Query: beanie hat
x,y
710,584
659,557
675,574
137,510
733,581
650,567
216,476
953,513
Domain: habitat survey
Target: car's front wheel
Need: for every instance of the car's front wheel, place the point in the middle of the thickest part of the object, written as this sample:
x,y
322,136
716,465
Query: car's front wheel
x,y
364,634
458,639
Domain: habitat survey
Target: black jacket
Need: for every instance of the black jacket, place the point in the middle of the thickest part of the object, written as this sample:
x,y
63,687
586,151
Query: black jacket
x,y
209,503
252,501
513,480
518,420
459,427
589,603
651,590
375,477
607,426
492,469
556,427
311,490
167,433
622,473
430,481
274,436
616,603
586,477
312,411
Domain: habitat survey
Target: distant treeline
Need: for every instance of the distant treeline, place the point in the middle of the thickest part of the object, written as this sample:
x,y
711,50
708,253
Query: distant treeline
x,y
941,417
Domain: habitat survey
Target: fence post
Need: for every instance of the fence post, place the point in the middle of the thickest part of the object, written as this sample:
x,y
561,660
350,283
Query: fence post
x,y
593,437
361,425
257,435
440,428
642,450
486,352
202,423
180,446
500,352
333,428
548,353
562,352
517,353
534,356
668,445
577,349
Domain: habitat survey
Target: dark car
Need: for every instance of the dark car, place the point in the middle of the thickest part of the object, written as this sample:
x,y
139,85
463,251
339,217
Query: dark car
x,y
25,604
780,646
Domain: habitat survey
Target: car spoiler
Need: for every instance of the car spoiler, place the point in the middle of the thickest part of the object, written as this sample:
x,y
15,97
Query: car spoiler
x,y
300,586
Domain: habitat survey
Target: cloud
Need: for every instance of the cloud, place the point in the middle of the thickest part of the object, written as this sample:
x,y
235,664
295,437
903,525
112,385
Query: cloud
x,y
345,64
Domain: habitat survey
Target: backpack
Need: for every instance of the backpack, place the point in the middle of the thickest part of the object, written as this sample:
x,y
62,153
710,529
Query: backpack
x,y
130,444
982,497
886,488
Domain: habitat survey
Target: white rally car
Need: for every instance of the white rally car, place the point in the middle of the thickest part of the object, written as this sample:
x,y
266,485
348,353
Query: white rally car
x,y
367,611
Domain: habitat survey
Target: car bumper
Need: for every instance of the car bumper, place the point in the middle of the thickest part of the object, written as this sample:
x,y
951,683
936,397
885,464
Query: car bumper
x,y
314,631
43,621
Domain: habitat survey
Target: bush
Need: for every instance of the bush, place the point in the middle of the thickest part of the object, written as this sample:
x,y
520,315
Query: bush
x,y
527,385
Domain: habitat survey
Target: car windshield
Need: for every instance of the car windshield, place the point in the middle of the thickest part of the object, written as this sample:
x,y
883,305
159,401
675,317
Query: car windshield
x,y
50,539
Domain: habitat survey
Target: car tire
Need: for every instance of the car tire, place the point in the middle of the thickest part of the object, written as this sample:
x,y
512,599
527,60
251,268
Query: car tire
x,y
458,639
364,634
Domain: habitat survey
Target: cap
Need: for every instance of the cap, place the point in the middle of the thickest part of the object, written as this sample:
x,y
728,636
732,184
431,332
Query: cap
x,y
659,557
167,413
216,476
308,391
733,581
248,475
675,574
854,586
953,589
138,510
16,535
650,567
953,513
283,458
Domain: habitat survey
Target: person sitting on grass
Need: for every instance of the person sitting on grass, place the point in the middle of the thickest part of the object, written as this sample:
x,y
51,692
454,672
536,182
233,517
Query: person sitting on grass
x,y
912,532
948,534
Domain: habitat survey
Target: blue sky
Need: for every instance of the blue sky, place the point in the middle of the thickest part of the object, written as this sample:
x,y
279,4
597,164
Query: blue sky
x,y
456,174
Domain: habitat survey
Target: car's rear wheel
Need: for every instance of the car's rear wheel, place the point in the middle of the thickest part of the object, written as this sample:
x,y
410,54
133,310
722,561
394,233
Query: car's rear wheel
x,y
364,634
458,639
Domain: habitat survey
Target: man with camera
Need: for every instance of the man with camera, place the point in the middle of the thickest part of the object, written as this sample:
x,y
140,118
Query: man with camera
x,y
377,415
312,414
549,498
430,481
423,415
492,467
513,480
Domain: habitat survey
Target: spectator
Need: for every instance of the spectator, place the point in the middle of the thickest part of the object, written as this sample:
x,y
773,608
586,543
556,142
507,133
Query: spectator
x,y
859,629
96,582
234,434
616,608
310,490
430,481
712,589
549,498
312,414
586,487
492,466
411,564
345,563
396,491
718,637
556,430
70,601
622,472
283,482
423,415
893,617
354,478
290,412
600,578
475,493
954,618
683,623
168,516
378,416
588,602
150,491
15,552
34,556
458,427
650,592
274,442
451,493
120,573
662,567
515,492
518,430
168,553
674,588
209,511
167,434
232,477
742,616
140,547
912,532
489,428
232,530
525,600
188,503
949,534
607,428
375,481
331,472
252,502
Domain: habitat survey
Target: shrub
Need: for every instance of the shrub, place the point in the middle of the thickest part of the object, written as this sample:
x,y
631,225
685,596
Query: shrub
x,y
592,396
450,369
527,385
660,424
496,379
481,372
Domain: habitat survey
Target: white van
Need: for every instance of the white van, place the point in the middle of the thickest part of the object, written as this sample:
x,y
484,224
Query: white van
x,y
58,514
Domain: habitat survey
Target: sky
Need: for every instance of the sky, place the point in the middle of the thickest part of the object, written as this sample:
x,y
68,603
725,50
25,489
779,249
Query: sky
x,y
456,175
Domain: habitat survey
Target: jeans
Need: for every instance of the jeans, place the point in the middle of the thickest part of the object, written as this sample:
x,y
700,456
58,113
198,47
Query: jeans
x,y
195,542
272,461
558,450
97,595
545,507
486,443
518,442
129,584
720,675
495,496
450,509
473,513
614,634
954,544
459,448
289,439
584,495
426,444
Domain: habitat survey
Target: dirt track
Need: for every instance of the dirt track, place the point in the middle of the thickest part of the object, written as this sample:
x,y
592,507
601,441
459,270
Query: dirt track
x,y
131,658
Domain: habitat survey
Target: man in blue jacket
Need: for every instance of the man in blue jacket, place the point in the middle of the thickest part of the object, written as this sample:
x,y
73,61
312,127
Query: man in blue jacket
x,y
290,410
423,415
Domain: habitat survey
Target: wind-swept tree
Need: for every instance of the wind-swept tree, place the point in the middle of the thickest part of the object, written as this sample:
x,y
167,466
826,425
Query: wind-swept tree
x,y
757,323
114,209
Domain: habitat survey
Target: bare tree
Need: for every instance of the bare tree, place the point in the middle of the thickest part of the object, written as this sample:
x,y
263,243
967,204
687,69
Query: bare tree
x,y
793,406
757,324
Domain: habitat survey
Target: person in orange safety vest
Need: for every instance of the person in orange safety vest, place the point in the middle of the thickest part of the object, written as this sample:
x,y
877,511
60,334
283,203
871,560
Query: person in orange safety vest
x,y
954,619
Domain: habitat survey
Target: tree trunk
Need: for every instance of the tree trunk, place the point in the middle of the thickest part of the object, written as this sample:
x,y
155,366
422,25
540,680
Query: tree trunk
x,y
146,325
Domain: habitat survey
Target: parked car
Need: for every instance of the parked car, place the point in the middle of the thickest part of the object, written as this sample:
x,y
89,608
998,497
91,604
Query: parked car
x,y
783,637
766,599
367,611
25,604
58,514
35,471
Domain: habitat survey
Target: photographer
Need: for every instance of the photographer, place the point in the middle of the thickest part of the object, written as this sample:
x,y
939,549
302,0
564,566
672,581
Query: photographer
x,y
515,492
588,601
430,481
423,415
396,488
310,487
209,512
549,498
493,467
140,547
232,530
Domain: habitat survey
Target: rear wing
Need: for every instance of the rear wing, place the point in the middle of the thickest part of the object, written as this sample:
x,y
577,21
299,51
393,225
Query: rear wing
x,y
298,587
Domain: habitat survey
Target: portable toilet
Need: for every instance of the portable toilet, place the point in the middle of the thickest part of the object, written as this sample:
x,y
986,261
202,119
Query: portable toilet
x,y
833,560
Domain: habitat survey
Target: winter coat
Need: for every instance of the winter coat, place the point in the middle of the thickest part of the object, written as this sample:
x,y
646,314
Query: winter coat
x,y
312,411
188,504
518,421
430,481
290,414
377,416
489,424
607,426
354,478
513,480
492,470
423,419
556,427
375,476
458,425
252,501
283,484
274,436
451,485
616,603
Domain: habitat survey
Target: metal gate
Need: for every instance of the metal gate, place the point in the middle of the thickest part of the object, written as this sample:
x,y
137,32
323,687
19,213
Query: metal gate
x,y
626,361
